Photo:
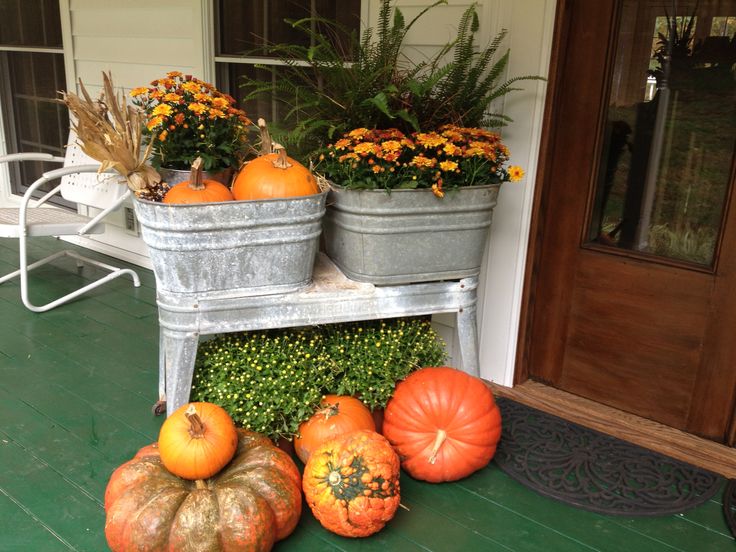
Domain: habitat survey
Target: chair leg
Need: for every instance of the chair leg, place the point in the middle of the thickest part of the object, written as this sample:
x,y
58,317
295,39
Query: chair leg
x,y
115,272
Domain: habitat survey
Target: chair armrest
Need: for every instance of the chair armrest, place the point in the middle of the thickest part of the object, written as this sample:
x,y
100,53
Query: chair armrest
x,y
12,157
47,177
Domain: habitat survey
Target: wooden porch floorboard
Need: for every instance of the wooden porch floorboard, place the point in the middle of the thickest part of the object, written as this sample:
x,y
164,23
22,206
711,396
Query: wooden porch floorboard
x,y
76,388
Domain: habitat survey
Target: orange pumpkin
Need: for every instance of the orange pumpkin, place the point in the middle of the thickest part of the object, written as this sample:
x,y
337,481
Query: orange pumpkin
x,y
338,414
443,423
273,175
197,440
252,503
198,190
351,483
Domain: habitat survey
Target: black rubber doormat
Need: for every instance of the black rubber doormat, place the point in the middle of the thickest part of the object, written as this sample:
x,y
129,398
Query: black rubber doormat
x,y
590,470
729,505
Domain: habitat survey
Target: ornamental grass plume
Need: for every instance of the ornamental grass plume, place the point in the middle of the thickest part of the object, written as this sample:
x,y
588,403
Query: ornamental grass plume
x,y
110,131
452,157
188,118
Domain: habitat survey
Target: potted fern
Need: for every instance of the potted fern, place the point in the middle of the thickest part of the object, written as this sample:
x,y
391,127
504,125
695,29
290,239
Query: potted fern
x,y
415,173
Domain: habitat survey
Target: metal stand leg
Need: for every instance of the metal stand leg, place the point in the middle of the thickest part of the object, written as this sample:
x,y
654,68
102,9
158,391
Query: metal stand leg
x,y
180,350
467,331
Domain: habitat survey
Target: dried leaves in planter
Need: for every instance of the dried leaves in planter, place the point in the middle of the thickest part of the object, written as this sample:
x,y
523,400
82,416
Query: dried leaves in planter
x,y
110,131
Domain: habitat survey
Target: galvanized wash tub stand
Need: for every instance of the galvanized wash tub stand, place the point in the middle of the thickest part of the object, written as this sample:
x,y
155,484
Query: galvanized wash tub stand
x,y
330,298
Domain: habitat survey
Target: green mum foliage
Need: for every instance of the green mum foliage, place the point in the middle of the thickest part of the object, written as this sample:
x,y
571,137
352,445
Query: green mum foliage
x,y
272,381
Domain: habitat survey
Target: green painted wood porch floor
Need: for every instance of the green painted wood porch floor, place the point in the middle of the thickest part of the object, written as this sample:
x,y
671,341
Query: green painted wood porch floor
x,y
76,388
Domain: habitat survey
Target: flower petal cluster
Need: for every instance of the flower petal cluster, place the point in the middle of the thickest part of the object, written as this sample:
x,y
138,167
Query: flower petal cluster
x,y
448,158
190,118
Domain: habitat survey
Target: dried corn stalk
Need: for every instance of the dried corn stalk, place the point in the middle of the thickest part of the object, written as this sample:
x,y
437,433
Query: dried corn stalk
x,y
110,131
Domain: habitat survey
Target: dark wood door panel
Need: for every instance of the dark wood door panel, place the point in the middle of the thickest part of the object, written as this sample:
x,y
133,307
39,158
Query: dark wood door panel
x,y
652,336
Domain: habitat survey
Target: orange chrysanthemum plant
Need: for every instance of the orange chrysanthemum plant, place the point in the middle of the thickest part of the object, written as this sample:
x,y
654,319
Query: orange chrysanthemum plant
x,y
449,158
188,118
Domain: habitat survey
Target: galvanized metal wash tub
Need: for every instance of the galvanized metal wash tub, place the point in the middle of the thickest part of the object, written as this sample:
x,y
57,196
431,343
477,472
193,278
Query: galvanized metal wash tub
x,y
241,247
408,236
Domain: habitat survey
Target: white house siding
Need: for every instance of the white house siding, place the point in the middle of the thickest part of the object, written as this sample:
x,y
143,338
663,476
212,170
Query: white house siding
x,y
530,26
140,40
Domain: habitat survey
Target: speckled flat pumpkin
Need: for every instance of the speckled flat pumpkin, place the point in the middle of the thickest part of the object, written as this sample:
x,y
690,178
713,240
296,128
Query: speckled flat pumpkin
x,y
351,483
252,503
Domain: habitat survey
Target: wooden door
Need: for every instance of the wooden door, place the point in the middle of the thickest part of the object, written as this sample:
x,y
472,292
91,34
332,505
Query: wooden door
x,y
632,296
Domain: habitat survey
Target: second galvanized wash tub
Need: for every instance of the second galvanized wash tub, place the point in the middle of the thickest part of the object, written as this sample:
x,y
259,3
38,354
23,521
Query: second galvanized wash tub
x,y
241,247
408,236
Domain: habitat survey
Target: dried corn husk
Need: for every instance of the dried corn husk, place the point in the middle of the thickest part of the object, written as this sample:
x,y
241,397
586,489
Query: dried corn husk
x,y
111,132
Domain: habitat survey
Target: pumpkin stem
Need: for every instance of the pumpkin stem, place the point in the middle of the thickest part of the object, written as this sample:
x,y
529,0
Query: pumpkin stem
x,y
196,427
200,484
281,162
195,176
439,439
265,137
329,411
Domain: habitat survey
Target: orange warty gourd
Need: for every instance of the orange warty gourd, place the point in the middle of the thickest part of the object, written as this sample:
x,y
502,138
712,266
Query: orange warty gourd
x,y
338,414
351,483
197,440
444,424
273,175
198,190
252,503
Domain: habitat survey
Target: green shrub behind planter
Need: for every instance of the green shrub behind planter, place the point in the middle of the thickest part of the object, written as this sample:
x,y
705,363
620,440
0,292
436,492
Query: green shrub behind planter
x,y
272,381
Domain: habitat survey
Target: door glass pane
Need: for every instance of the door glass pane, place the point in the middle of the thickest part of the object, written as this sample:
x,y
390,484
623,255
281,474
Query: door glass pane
x,y
668,148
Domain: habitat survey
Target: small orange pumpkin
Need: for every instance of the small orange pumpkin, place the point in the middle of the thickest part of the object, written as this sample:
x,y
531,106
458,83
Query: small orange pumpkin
x,y
338,414
273,175
351,483
197,440
198,190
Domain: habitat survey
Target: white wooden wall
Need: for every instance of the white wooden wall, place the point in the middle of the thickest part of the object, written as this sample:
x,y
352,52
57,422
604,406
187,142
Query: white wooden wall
x,y
530,25
138,41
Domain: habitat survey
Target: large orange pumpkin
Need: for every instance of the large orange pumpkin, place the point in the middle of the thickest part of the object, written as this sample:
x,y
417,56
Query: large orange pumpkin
x,y
197,440
197,189
444,424
252,503
338,414
273,175
351,483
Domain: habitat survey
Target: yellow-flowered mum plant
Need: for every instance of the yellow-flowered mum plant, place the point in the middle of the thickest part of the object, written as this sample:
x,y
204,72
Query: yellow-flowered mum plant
x,y
448,158
188,118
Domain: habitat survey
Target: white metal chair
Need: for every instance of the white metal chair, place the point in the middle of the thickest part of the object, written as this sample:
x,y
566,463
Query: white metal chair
x,y
79,183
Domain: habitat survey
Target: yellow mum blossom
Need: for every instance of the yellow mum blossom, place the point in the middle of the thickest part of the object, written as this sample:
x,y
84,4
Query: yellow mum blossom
x,y
197,108
431,139
172,74
219,103
515,173
342,144
391,146
348,156
162,136
448,165
162,109
216,113
437,190
191,87
138,91
423,162
376,169
172,97
451,149
358,133
153,122
366,148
